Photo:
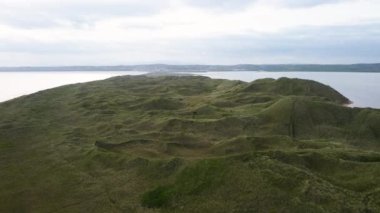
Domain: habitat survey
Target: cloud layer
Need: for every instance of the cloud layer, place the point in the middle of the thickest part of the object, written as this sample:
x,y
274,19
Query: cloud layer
x,y
53,32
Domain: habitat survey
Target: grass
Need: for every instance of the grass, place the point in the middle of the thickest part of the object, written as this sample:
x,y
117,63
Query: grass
x,y
188,144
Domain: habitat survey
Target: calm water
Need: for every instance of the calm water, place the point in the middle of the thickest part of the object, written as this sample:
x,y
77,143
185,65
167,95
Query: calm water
x,y
361,88
15,84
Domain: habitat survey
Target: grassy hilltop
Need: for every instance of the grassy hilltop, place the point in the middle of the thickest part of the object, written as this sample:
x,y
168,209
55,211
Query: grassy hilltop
x,y
189,144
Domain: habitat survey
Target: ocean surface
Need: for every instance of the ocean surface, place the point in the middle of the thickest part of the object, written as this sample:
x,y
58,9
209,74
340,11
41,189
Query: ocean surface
x,y
363,89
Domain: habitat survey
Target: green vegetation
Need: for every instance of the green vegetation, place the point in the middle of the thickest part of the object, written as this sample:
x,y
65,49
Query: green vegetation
x,y
189,144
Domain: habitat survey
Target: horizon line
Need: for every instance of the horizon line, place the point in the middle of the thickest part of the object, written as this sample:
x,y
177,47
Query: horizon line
x,y
168,64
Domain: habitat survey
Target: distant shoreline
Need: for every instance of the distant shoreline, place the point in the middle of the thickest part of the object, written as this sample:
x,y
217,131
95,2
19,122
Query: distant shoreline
x,y
362,68
187,71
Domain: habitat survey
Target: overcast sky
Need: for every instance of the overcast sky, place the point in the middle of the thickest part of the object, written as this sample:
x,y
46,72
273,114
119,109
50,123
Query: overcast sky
x,y
113,32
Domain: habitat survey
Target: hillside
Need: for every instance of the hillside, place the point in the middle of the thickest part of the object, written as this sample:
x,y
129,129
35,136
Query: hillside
x,y
189,144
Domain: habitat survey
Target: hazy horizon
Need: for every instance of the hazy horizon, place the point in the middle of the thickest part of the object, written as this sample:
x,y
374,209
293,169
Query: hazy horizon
x,y
186,64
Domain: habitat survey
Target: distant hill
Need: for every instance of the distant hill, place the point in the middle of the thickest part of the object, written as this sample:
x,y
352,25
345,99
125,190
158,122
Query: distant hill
x,y
189,144
199,68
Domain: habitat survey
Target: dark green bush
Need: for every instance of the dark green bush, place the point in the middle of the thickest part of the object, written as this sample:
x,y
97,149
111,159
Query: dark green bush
x,y
157,197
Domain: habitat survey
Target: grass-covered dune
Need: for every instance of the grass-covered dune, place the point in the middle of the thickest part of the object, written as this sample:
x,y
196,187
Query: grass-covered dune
x,y
189,144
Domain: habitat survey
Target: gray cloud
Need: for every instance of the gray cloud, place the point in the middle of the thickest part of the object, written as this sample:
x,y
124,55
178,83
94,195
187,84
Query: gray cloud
x,y
241,4
344,44
339,44
224,4
78,14
302,44
307,3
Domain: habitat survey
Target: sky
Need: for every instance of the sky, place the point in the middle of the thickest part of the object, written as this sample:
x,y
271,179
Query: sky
x,y
124,32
